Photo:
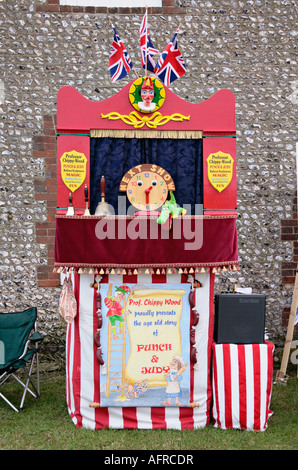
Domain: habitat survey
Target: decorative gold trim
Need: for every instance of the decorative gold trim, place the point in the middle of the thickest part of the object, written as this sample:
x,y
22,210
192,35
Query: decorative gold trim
x,y
137,121
144,217
145,134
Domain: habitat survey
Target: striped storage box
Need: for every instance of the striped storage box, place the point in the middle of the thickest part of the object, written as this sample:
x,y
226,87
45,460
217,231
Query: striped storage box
x,y
242,385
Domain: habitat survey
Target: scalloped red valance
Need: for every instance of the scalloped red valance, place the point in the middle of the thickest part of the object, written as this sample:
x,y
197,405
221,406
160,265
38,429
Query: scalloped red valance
x,y
139,242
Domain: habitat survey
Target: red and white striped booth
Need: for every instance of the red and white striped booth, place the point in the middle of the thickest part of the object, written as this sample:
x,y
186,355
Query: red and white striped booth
x,y
83,370
242,385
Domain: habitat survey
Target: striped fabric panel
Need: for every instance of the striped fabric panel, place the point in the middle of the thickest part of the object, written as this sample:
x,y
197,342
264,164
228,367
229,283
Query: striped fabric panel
x,y
83,371
242,385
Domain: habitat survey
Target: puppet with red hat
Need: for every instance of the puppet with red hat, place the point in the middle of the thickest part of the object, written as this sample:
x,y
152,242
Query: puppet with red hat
x,y
116,307
147,95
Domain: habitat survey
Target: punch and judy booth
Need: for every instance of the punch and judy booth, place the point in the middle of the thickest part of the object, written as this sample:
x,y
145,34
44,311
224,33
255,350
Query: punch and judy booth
x,y
146,216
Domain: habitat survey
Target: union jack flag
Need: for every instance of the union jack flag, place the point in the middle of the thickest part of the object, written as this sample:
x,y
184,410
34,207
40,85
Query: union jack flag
x,y
170,65
147,48
119,62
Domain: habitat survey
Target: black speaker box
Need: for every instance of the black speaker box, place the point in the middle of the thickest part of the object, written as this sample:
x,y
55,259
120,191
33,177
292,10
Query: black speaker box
x,y
239,318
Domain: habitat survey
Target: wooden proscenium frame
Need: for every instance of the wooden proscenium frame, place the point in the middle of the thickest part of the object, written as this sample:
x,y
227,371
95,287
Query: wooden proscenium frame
x,y
78,119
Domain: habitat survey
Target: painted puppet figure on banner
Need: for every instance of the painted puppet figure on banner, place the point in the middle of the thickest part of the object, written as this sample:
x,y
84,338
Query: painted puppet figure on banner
x,y
145,343
116,306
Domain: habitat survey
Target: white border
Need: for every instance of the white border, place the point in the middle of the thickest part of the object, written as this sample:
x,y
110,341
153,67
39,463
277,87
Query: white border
x,y
112,3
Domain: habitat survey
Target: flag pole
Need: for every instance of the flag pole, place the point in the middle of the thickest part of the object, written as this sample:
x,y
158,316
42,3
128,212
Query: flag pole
x,y
146,41
133,67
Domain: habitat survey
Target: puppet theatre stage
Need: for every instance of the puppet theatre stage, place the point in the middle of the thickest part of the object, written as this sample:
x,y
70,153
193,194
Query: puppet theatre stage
x,y
139,346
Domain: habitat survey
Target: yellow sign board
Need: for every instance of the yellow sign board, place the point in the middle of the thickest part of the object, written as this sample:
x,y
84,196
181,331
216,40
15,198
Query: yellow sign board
x,y
73,169
156,314
220,170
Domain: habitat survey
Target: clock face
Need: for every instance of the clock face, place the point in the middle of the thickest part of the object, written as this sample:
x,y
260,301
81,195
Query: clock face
x,y
147,186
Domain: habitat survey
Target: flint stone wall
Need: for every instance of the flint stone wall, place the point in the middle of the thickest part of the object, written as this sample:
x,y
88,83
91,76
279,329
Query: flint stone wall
x,y
247,46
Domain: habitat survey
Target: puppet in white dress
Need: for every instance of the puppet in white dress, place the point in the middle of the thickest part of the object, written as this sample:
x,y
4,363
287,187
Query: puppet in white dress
x,y
173,378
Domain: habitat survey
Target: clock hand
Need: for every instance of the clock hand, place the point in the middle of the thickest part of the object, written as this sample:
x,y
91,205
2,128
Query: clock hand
x,y
147,192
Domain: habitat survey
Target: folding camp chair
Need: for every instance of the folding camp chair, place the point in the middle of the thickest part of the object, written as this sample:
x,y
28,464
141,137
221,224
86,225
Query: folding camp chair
x,y
17,348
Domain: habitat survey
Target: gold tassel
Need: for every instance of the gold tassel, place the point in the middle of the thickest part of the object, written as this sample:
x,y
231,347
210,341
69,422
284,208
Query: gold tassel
x,y
80,271
146,271
203,270
135,271
123,271
101,271
191,270
214,270
112,271
224,269
180,271
157,271
234,268
169,271
90,271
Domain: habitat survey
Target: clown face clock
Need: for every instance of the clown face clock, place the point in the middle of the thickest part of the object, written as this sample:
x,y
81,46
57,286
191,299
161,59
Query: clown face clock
x,y
147,186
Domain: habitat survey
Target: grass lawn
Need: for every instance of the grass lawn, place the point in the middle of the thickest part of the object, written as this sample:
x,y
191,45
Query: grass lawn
x,y
44,424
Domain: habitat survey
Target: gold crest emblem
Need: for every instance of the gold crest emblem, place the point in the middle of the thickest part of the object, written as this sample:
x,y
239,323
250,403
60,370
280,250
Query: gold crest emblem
x,y
73,169
220,170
